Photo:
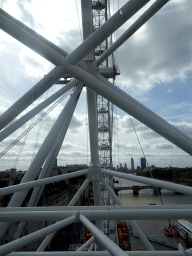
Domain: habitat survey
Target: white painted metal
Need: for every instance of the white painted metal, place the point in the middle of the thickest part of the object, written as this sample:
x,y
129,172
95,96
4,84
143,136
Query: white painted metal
x,y
29,30
19,243
132,29
45,242
47,167
131,253
85,245
151,113
46,170
93,131
25,118
95,208
48,238
32,32
127,11
104,240
132,222
91,248
118,19
39,159
137,214
82,51
86,7
40,182
99,17
29,40
36,91
79,192
136,111
92,79
141,235
87,24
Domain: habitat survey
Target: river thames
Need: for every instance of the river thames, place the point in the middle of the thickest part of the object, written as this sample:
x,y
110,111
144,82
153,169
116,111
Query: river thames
x,y
152,228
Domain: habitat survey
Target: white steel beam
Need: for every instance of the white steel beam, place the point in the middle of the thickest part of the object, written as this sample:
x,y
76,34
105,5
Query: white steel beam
x,y
103,239
91,248
87,23
135,110
48,238
111,192
141,235
118,19
45,242
25,118
85,245
105,253
93,132
148,111
82,51
46,170
86,8
34,93
95,208
79,192
19,243
132,29
126,12
134,225
153,182
47,167
40,182
93,129
42,48
30,40
137,214
32,32
42,154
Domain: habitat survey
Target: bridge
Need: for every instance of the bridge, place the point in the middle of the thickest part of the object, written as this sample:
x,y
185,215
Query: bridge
x,y
136,189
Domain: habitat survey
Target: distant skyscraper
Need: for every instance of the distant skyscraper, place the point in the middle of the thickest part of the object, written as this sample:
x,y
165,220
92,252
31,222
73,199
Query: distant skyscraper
x,y
138,169
132,164
143,163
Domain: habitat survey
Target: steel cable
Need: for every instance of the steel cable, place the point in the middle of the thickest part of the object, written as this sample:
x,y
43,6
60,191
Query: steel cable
x,y
34,124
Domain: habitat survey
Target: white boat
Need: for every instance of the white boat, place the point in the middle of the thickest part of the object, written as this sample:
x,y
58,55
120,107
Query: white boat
x,y
184,228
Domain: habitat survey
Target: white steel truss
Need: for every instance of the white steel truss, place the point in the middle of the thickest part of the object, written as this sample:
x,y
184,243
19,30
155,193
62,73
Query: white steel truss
x,y
81,65
99,11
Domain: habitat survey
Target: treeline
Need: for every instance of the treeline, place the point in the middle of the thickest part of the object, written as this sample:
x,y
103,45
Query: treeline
x,y
158,174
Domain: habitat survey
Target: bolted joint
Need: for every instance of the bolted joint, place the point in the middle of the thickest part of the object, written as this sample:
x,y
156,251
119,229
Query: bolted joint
x,y
95,173
91,67
77,215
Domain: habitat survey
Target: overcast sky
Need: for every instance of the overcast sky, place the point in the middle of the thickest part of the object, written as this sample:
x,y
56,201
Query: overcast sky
x,y
156,69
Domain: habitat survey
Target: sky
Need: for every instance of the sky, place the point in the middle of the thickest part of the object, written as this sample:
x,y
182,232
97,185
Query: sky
x,y
156,69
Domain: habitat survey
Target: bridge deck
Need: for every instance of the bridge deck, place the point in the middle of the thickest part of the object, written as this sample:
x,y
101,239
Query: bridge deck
x,y
133,188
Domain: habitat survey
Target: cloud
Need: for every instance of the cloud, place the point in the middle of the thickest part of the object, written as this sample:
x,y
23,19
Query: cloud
x,y
170,90
75,124
160,52
32,62
26,16
163,53
164,146
184,127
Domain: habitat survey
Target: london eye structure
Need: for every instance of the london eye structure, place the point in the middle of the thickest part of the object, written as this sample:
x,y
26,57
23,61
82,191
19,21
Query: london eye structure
x,y
86,71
